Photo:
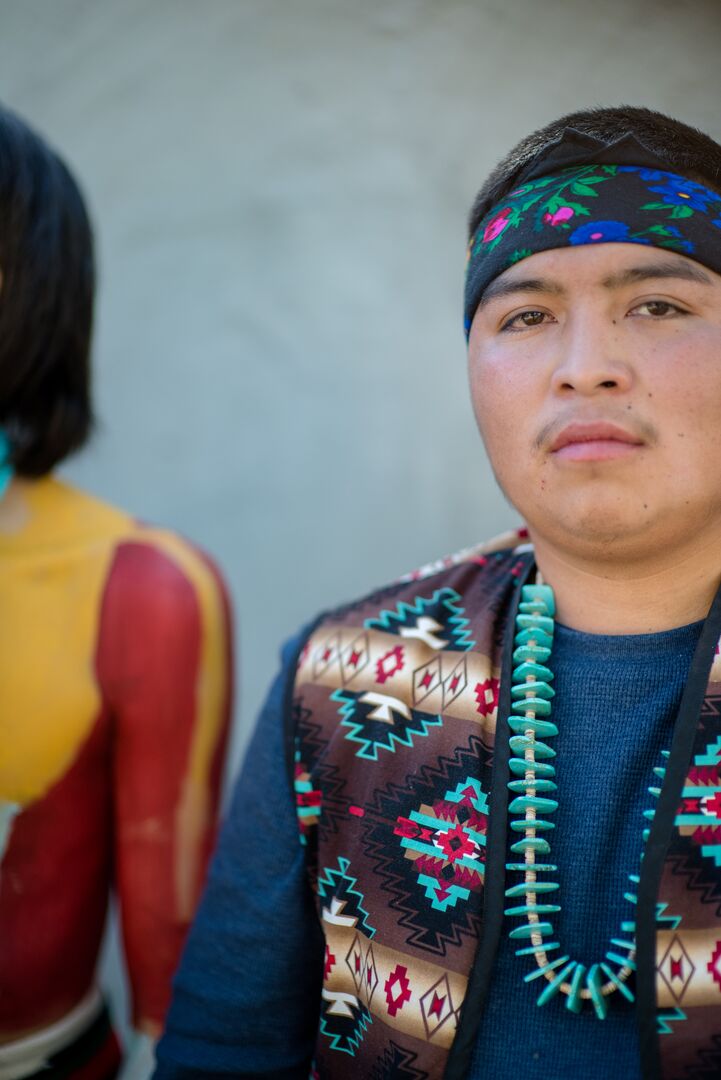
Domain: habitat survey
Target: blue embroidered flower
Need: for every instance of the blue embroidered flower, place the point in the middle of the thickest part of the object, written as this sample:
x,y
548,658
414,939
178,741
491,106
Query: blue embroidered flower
x,y
598,232
649,175
678,191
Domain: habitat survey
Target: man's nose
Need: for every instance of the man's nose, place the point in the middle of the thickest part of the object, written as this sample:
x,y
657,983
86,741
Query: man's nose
x,y
591,360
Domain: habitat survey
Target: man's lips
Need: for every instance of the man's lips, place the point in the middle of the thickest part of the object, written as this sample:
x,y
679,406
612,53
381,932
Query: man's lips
x,y
595,441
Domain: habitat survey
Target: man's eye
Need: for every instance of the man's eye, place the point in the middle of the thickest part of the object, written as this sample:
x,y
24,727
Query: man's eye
x,y
524,319
658,309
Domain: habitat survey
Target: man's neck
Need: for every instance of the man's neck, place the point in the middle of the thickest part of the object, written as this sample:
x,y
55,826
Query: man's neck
x,y
648,596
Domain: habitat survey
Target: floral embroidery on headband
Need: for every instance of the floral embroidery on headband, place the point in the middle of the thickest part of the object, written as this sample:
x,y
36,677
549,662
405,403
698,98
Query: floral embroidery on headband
x,y
594,204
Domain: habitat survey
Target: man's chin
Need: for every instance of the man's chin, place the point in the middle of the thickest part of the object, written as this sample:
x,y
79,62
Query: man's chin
x,y
597,530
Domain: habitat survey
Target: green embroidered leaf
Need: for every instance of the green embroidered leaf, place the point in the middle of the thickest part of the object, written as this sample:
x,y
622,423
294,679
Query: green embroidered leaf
x,y
681,212
521,253
660,229
583,189
655,206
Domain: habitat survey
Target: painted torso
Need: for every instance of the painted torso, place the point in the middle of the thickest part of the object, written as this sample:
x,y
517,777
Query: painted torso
x,y
110,758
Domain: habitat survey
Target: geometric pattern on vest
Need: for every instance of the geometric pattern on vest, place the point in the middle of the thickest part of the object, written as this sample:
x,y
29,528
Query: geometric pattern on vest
x,y
425,838
396,1064
688,940
394,718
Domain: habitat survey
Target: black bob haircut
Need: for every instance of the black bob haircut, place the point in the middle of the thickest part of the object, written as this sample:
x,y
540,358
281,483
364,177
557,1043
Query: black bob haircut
x,y
47,284
685,149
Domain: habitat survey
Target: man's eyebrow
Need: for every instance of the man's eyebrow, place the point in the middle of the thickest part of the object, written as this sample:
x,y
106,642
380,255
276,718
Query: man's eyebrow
x,y
498,287
688,271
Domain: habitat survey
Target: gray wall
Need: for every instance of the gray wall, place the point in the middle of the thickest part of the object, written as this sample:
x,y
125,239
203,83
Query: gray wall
x,y
280,191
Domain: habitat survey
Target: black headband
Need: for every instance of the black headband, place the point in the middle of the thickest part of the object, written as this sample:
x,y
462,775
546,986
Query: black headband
x,y
583,193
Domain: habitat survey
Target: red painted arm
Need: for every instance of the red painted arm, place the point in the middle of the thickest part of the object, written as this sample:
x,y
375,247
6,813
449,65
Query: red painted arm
x,y
164,665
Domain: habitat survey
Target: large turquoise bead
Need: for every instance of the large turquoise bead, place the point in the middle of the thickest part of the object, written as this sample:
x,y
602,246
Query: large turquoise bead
x,y
594,984
534,637
537,783
537,705
522,803
519,767
539,867
529,950
534,653
620,985
535,622
535,671
535,687
520,743
532,909
531,843
553,987
522,724
546,967
534,887
533,607
574,1001
539,824
539,593
527,929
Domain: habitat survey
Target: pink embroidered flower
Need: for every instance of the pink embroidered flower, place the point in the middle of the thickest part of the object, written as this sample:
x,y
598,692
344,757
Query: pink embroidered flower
x,y
496,225
562,214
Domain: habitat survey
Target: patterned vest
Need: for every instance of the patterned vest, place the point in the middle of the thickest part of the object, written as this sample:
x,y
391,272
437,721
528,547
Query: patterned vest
x,y
399,748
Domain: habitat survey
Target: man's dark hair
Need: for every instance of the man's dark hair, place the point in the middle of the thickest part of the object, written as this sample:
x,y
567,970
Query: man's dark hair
x,y
47,285
685,149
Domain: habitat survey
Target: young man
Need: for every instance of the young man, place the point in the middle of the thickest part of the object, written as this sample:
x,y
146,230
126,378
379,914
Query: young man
x,y
114,668
508,766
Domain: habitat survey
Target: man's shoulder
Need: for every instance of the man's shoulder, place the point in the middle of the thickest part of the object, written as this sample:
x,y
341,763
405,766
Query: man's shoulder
x,y
443,582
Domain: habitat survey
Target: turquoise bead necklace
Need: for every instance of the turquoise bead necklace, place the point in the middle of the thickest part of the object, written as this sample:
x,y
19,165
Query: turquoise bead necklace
x,y
533,788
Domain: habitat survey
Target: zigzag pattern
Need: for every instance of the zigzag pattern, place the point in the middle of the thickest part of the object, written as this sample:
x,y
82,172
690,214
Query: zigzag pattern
x,y
326,777
666,922
347,1041
666,1017
456,623
681,865
388,737
709,1067
432,931
329,886
397,1064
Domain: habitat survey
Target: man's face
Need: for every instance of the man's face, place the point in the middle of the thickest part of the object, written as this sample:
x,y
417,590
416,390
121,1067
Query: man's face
x,y
595,374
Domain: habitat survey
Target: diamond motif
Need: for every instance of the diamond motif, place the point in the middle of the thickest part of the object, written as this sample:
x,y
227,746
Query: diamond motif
x,y
354,658
426,679
437,1005
354,960
676,968
370,977
455,683
325,655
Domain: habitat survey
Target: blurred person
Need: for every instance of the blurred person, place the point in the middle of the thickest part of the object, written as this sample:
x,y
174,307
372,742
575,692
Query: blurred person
x,y
507,767
114,669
